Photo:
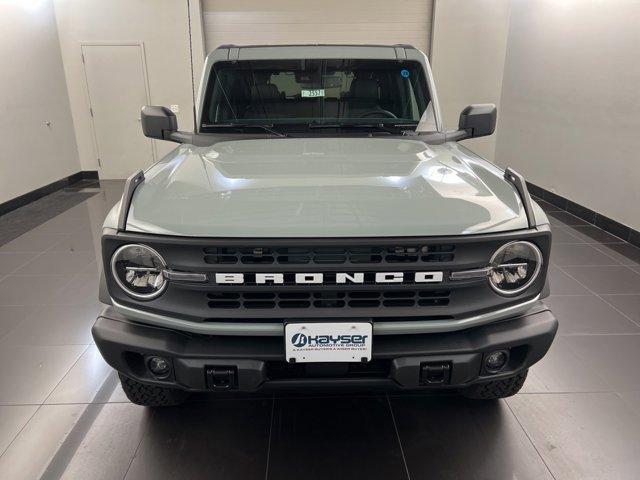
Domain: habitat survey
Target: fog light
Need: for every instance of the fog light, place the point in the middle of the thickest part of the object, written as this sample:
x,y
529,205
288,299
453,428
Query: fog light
x,y
159,366
495,361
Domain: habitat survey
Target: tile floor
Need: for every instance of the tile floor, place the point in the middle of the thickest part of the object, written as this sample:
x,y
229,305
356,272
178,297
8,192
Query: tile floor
x,y
63,415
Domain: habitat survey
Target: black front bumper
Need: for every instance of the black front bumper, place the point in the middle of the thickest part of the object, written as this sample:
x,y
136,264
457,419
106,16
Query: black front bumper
x,y
442,360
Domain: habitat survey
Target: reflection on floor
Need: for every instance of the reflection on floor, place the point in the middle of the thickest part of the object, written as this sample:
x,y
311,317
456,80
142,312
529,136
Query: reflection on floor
x,y
63,415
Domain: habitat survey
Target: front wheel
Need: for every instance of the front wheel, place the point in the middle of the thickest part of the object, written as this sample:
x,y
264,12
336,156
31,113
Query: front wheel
x,y
494,389
151,395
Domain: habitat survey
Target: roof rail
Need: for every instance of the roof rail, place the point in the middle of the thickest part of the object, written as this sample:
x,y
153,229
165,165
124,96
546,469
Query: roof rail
x,y
518,181
129,187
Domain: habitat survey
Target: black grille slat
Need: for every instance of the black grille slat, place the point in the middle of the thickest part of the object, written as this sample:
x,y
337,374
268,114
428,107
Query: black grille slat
x,y
259,295
433,302
328,299
329,303
356,255
364,303
259,304
294,304
224,304
220,259
399,303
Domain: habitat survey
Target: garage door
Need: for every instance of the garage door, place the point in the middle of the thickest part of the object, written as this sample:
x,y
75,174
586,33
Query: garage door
x,y
259,22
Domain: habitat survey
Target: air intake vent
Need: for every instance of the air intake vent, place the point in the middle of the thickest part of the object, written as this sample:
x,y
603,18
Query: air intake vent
x,y
327,299
329,255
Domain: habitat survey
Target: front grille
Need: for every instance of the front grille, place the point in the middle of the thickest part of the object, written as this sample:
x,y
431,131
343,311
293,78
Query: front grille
x,y
329,255
327,299
254,299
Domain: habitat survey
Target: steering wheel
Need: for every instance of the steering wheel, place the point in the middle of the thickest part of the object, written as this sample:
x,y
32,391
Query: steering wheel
x,y
384,113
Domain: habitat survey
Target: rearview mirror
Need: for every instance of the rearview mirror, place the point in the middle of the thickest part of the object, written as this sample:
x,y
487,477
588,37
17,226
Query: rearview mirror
x,y
478,120
158,122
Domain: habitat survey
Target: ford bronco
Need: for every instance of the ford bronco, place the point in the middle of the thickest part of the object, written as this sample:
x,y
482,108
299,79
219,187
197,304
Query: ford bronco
x,y
320,228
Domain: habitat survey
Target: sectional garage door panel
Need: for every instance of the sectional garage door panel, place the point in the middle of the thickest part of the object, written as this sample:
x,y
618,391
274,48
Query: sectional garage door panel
x,y
258,22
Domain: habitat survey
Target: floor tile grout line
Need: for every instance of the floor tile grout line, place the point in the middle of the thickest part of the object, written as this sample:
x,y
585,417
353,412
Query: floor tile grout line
x,y
626,334
622,294
570,294
565,230
590,266
600,297
142,437
65,374
73,439
47,344
395,426
273,407
524,430
216,400
607,255
23,426
20,266
587,392
626,265
2,278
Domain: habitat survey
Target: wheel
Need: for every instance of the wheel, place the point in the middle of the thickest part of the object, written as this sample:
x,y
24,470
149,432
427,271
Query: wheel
x,y
151,395
503,388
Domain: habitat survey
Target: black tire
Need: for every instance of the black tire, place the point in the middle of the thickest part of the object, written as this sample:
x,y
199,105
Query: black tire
x,y
151,395
503,388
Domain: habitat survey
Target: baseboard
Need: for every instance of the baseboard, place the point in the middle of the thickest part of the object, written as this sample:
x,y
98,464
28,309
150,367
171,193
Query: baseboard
x,y
38,193
89,174
607,224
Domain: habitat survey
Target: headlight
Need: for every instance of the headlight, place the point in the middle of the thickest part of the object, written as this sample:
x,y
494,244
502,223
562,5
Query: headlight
x,y
514,267
138,271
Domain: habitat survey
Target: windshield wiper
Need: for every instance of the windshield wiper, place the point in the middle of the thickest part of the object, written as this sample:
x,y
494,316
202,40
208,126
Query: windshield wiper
x,y
378,126
267,127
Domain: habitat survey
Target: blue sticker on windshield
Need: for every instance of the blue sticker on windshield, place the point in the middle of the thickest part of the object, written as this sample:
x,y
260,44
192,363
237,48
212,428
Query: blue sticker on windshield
x,y
404,72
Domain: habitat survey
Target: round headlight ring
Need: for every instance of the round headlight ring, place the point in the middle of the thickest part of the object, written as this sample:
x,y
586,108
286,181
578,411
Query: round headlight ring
x,y
537,256
127,289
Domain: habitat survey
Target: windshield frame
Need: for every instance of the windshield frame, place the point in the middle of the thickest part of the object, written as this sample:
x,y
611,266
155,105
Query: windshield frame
x,y
319,52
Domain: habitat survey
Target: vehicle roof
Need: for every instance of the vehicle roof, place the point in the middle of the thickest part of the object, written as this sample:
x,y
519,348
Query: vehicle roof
x,y
296,51
365,45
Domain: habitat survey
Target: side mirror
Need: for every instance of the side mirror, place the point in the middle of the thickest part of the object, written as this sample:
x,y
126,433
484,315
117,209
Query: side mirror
x,y
158,122
478,120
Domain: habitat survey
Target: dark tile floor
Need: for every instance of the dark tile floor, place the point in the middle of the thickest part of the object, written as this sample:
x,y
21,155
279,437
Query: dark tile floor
x,y
63,414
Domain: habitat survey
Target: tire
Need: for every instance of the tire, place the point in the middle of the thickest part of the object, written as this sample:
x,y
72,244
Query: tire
x,y
492,390
151,395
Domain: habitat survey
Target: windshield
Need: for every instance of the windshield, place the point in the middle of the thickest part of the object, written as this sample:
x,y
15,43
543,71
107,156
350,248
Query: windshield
x,y
299,95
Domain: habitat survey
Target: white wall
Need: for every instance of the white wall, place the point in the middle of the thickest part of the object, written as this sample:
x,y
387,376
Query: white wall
x,y
163,27
570,118
32,92
467,56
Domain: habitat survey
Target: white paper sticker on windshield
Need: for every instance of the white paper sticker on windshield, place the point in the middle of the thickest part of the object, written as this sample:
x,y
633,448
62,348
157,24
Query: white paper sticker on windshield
x,y
318,92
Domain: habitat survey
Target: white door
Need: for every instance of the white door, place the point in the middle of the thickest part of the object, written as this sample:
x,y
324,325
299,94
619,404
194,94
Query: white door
x,y
116,83
260,22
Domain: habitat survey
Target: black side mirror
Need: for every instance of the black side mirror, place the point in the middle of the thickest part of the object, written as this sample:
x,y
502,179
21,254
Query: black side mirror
x,y
478,120
158,122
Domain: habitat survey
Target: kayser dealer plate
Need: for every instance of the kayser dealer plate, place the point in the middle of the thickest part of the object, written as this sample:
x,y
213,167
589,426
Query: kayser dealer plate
x,y
328,342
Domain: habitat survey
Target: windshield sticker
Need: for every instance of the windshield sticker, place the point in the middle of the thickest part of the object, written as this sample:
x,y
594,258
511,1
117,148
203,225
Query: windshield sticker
x,y
318,92
405,73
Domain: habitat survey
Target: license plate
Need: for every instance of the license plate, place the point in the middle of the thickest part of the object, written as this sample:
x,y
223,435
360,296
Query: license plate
x,y
328,342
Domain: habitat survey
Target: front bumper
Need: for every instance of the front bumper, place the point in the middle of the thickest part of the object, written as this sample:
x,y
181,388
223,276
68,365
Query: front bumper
x,y
254,363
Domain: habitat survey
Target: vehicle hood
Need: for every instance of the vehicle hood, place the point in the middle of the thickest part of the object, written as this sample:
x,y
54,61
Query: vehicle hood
x,y
324,187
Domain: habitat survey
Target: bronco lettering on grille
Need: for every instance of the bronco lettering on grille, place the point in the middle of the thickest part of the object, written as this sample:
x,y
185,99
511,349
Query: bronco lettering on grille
x,y
319,278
